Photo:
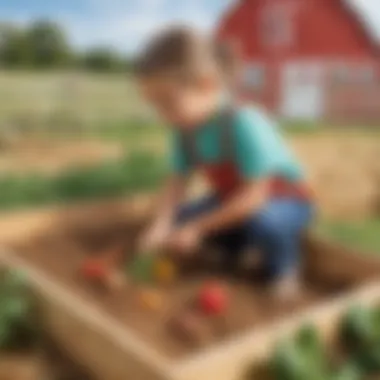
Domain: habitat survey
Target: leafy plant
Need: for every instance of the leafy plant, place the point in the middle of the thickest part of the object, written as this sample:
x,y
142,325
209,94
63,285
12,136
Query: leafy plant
x,y
360,335
131,173
360,329
141,268
304,357
300,358
17,326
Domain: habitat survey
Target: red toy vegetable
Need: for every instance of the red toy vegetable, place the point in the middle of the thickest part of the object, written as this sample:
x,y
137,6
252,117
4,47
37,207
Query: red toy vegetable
x,y
213,299
103,270
94,269
102,266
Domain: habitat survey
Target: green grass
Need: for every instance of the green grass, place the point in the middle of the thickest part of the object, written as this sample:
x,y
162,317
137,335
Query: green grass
x,y
132,173
363,235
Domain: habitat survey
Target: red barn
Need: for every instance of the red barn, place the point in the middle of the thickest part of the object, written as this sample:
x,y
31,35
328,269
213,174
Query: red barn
x,y
307,59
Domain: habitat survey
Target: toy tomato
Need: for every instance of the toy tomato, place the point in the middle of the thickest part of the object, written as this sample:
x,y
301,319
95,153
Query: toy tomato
x,y
94,269
213,299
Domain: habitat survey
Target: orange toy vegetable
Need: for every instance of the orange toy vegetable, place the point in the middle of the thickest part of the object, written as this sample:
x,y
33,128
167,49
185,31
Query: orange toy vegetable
x,y
164,271
150,299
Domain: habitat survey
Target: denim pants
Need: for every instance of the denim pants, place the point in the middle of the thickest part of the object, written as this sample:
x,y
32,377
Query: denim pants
x,y
275,231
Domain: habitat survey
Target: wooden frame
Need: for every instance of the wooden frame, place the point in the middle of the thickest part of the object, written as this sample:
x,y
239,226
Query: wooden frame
x,y
111,351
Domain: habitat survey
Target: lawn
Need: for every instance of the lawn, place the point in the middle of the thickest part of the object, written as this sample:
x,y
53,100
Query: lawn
x,y
364,235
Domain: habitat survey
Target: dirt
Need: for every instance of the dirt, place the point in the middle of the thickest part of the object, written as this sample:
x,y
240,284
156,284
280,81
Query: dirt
x,y
61,252
344,171
33,365
19,367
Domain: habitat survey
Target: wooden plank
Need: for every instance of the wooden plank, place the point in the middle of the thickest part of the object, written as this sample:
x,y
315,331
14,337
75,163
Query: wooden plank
x,y
89,335
331,261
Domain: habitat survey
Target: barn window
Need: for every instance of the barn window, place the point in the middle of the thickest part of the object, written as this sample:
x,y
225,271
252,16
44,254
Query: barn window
x,y
254,76
277,25
366,75
342,74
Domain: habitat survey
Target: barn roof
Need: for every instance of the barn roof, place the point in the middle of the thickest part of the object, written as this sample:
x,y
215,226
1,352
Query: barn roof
x,y
366,11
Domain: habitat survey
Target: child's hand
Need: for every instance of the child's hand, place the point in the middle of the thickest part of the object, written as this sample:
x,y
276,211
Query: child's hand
x,y
185,240
154,238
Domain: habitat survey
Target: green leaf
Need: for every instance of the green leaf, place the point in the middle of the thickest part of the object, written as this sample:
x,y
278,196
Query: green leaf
x,y
141,269
358,328
17,278
369,360
349,371
5,334
16,308
288,364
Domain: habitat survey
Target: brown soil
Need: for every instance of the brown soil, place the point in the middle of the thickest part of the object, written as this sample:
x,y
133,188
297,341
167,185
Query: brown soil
x,y
31,365
19,367
61,253
344,171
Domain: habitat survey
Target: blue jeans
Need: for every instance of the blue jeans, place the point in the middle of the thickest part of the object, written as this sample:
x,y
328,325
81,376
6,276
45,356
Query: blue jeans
x,y
275,231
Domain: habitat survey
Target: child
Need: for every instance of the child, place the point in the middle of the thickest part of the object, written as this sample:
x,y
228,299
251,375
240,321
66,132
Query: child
x,y
259,196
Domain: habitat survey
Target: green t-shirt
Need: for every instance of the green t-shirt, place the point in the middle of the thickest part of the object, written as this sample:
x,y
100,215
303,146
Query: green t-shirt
x,y
259,149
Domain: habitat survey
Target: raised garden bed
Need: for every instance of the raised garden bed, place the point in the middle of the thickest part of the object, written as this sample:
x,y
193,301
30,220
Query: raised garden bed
x,y
110,334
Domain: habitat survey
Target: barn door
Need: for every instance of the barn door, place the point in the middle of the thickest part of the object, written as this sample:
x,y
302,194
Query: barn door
x,y
302,93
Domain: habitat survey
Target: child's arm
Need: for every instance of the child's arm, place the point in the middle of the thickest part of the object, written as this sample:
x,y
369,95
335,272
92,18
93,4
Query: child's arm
x,y
246,201
167,203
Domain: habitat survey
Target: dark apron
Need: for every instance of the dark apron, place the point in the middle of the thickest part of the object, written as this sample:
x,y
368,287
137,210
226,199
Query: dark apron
x,y
224,177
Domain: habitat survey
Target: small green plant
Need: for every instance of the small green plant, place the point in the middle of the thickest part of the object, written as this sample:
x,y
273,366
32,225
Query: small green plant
x,y
301,358
17,326
360,336
141,269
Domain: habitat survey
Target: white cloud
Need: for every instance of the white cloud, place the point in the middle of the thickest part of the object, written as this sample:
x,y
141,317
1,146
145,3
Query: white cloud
x,y
370,11
126,25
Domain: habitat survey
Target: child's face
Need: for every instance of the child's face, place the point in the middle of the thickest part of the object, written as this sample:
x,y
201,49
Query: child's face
x,y
183,105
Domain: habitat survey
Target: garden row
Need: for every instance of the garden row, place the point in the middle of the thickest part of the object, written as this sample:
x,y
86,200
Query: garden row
x,y
133,172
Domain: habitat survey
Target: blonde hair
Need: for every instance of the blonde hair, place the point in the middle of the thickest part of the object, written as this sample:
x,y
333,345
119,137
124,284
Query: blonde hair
x,y
187,53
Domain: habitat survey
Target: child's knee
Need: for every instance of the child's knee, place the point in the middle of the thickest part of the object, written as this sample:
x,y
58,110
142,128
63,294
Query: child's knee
x,y
265,227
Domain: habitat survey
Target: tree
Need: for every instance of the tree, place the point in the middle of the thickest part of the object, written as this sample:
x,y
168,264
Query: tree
x,y
47,44
13,46
102,59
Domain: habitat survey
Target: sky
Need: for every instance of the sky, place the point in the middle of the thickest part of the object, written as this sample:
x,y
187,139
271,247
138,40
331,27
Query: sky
x,y
126,24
